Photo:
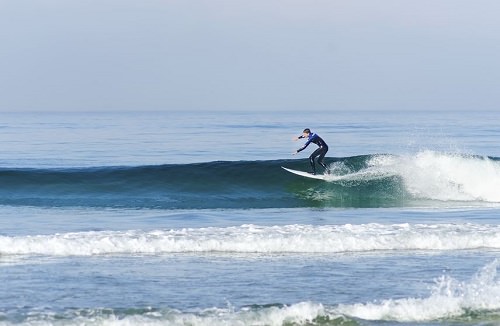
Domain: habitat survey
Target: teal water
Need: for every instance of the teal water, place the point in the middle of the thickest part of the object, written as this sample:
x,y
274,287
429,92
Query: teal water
x,y
427,178
188,219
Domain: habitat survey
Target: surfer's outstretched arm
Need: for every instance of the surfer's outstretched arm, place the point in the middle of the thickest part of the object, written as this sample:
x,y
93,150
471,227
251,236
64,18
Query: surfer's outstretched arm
x,y
304,147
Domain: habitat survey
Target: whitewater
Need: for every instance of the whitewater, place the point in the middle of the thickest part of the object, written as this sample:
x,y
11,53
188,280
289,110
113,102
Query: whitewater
x,y
122,219
259,239
432,175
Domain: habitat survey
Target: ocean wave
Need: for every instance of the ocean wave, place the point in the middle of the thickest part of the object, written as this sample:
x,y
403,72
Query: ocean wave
x,y
445,177
261,240
450,299
476,301
424,179
304,313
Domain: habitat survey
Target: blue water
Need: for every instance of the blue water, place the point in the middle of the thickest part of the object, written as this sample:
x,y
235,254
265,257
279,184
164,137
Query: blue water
x,y
186,218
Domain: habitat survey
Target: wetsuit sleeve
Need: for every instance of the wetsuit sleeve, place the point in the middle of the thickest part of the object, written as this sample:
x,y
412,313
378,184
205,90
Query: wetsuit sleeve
x,y
305,145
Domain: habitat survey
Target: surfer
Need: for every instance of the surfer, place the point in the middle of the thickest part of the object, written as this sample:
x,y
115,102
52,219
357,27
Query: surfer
x,y
320,152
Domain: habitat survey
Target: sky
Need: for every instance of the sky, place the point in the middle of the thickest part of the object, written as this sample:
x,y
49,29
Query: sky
x,y
91,55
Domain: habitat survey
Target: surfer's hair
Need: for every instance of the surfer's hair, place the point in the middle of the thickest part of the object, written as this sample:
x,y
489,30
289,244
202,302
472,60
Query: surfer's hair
x,y
307,131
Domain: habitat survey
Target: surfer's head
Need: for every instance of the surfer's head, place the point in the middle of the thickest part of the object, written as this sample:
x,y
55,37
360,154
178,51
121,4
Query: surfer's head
x,y
306,132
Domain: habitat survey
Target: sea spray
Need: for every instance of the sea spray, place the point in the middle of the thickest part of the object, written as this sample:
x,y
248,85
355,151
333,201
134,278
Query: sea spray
x,y
448,177
449,299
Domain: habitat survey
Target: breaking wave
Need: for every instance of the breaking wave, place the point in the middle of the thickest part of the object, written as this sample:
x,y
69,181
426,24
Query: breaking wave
x,y
427,178
261,239
474,301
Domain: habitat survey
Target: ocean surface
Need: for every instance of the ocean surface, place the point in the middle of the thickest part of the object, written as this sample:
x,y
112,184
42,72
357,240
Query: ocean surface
x,y
187,218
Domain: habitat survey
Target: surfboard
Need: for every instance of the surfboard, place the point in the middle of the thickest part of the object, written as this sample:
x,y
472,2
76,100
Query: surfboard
x,y
306,174
358,176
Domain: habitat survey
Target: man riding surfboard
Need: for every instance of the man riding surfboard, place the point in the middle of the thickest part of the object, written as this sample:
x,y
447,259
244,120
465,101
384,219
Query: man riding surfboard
x,y
320,152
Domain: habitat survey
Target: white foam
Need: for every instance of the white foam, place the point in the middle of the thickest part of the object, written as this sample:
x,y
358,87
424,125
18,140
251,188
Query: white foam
x,y
302,313
260,239
452,177
449,299
439,176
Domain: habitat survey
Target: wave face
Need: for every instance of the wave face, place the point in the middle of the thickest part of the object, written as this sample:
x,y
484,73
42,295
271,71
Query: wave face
x,y
359,181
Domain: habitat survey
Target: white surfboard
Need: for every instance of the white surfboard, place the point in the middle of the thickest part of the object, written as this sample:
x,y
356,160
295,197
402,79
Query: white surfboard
x,y
359,176
306,174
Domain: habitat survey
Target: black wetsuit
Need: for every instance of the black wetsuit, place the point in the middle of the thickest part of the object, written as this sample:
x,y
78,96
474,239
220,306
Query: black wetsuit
x,y
320,152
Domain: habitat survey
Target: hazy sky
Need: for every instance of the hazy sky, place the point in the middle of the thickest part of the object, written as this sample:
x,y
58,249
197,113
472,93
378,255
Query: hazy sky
x,y
249,54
